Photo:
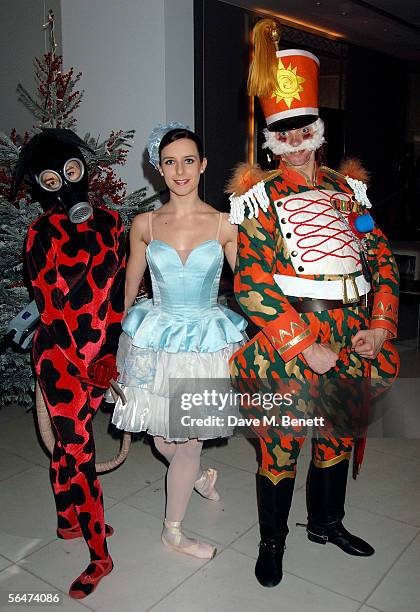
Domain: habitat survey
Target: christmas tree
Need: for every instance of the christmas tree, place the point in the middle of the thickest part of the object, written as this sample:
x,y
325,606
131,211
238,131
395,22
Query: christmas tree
x,y
54,104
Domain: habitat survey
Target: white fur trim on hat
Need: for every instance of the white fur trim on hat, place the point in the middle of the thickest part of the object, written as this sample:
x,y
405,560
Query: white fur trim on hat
x,y
282,148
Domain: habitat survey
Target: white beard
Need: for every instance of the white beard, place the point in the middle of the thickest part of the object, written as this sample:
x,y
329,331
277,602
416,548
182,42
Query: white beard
x,y
311,144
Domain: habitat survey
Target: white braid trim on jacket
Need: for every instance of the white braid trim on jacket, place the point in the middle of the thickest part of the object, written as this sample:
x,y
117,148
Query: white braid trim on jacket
x,y
255,198
359,188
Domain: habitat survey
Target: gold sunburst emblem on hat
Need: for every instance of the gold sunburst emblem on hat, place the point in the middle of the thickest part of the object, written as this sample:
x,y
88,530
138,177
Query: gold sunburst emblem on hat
x,y
289,84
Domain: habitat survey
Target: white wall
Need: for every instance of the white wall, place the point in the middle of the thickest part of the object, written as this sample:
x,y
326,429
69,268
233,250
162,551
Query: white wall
x,y
22,39
179,61
136,57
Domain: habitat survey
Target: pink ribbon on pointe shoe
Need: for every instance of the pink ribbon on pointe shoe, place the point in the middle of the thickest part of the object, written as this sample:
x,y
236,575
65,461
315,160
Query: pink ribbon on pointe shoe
x,y
205,484
173,538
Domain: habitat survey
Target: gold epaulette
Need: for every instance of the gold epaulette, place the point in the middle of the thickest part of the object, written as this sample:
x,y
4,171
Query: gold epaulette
x,y
272,174
334,172
358,186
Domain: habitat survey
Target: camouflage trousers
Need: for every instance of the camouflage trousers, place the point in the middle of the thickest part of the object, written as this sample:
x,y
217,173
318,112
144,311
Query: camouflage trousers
x,y
341,399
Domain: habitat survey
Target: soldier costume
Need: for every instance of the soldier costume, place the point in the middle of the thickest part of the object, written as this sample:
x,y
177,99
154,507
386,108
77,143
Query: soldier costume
x,y
310,263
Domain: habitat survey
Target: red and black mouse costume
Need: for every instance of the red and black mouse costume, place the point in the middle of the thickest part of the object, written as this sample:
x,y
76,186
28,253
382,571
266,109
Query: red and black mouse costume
x,y
75,257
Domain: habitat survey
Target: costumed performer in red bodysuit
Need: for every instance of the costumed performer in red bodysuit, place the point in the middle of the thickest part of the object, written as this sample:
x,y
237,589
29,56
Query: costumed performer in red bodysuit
x,y
75,261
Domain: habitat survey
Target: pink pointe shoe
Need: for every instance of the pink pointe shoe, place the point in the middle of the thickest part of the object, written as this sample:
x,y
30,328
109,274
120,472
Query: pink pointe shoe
x,y
205,484
173,538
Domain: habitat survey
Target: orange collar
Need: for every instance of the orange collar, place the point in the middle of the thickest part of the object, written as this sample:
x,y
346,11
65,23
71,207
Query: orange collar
x,y
293,175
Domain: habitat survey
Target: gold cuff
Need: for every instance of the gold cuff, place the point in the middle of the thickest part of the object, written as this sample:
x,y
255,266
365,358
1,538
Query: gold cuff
x,y
294,341
319,463
276,479
382,318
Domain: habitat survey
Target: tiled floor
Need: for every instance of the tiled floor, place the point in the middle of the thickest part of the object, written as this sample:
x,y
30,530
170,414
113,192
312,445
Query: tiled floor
x,y
383,506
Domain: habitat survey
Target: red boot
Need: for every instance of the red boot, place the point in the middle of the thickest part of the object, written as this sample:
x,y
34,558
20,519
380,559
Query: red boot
x,y
88,580
75,532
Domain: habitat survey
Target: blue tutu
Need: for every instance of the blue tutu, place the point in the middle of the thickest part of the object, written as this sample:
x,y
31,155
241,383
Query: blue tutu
x,y
183,333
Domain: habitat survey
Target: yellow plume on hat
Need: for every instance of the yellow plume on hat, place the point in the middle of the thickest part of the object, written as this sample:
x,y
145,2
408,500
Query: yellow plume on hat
x,y
262,78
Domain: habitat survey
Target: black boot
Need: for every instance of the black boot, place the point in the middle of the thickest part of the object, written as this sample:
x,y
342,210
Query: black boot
x,y
325,495
274,505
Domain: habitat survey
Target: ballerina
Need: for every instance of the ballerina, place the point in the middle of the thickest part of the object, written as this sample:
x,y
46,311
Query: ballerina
x,y
183,333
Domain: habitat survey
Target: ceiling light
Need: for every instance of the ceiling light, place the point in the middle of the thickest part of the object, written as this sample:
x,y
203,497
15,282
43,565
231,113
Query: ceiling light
x,y
303,25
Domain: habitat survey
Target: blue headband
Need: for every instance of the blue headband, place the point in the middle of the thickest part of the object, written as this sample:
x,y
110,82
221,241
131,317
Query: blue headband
x,y
156,136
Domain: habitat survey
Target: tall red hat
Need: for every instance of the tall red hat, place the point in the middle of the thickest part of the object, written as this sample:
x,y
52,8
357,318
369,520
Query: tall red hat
x,y
286,82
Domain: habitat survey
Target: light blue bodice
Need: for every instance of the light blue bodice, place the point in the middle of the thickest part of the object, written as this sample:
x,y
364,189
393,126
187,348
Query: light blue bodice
x,y
184,314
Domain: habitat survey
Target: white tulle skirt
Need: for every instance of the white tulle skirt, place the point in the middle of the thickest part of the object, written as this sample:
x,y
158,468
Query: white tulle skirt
x,y
154,382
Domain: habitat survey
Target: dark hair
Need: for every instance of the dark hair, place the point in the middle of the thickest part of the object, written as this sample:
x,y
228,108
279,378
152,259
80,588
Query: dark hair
x,y
179,133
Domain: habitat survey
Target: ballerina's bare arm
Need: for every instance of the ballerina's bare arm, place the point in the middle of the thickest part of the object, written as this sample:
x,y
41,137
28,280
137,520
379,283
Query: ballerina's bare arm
x,y
137,263
228,238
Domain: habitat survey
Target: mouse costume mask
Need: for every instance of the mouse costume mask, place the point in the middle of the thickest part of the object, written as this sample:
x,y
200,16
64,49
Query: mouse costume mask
x,y
56,172
77,278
